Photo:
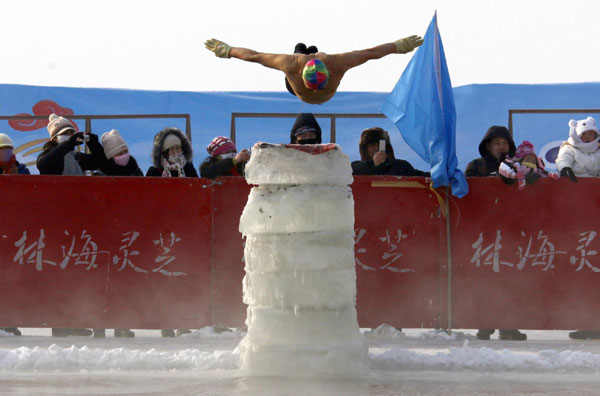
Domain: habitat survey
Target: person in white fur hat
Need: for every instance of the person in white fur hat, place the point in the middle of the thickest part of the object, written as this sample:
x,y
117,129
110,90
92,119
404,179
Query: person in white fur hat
x,y
118,160
579,156
171,155
59,157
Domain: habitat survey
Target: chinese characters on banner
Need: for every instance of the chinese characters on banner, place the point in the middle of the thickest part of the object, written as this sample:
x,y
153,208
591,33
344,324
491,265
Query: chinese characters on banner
x,y
81,250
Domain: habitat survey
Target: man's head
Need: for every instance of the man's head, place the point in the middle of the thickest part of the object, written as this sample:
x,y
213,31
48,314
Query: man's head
x,y
306,130
369,143
315,75
497,146
496,143
6,148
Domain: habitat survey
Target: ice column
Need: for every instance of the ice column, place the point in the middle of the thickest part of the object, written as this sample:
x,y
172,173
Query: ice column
x,y
300,282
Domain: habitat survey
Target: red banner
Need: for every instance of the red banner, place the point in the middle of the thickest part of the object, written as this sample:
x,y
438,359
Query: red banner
x,y
110,252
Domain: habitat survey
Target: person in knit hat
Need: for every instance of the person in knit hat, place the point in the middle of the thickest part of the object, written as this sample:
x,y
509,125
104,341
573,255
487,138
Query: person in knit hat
x,y
306,130
8,162
313,77
59,157
496,145
579,156
171,155
118,160
223,159
525,167
377,156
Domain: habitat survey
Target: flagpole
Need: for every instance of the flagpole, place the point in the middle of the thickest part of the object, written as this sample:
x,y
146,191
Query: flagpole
x,y
449,260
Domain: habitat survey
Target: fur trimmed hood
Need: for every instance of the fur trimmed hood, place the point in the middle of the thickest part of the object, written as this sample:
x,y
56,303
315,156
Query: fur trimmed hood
x,y
159,139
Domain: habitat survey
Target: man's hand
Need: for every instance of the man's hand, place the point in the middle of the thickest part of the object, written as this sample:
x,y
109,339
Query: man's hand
x,y
407,44
242,156
220,48
379,158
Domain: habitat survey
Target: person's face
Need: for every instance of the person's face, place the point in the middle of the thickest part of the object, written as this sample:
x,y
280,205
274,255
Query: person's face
x,y
372,149
122,152
305,135
498,146
588,136
5,154
67,132
174,150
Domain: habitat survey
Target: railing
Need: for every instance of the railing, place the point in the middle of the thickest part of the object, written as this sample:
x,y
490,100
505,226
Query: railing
x,y
331,116
544,111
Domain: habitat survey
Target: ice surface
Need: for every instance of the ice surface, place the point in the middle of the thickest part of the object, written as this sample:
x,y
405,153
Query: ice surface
x,y
304,208
280,165
333,288
288,252
548,363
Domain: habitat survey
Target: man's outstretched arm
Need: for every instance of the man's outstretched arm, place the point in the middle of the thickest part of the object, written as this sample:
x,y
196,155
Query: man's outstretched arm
x,y
274,61
356,58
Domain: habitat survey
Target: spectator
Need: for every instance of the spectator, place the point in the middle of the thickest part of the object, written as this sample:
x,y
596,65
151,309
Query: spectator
x,y
579,156
306,130
10,166
58,156
377,156
118,160
525,167
224,160
8,162
494,147
171,155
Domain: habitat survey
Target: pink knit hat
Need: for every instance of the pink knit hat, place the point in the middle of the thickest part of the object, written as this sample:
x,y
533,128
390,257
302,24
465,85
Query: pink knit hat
x,y
220,145
524,149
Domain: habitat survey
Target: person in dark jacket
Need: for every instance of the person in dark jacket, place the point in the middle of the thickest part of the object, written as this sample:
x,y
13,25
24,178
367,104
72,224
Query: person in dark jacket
x,y
306,130
118,160
495,146
59,157
224,160
171,155
8,162
377,156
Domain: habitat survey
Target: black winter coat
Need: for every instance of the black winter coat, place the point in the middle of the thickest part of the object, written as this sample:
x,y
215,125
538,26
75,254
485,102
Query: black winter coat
x,y
394,167
51,159
189,170
211,168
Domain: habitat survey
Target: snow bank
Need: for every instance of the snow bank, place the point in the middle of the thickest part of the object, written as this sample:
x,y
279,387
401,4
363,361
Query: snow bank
x,y
486,360
57,359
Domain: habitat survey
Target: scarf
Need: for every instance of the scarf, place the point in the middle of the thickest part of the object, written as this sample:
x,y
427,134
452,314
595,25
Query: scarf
x,y
174,163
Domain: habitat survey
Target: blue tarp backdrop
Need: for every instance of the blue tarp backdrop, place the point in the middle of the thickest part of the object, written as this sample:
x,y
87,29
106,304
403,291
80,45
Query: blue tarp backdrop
x,y
477,108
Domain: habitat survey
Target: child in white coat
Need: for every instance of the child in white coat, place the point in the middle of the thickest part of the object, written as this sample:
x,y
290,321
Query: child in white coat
x,y
579,156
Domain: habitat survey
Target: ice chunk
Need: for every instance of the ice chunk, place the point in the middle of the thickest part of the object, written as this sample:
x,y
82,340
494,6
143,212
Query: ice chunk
x,y
289,252
284,164
304,208
313,289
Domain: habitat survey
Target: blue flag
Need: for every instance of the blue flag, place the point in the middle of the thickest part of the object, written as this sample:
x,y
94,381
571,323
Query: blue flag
x,y
422,107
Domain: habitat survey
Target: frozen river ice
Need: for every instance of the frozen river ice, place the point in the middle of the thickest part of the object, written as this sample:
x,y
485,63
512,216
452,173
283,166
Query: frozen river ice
x,y
415,362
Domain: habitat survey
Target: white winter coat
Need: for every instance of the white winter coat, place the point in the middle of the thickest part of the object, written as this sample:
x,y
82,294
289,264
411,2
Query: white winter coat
x,y
583,164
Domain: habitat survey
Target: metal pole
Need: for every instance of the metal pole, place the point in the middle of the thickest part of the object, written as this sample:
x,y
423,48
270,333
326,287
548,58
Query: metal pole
x,y
449,258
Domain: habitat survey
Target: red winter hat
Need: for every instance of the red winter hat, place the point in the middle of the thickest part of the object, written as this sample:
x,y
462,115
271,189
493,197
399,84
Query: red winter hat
x,y
220,145
524,149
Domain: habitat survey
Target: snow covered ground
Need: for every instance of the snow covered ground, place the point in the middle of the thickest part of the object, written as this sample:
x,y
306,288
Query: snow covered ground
x,y
414,362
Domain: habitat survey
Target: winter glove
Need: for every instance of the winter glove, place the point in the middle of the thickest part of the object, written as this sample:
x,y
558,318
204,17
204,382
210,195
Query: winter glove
x,y
92,138
220,48
568,172
507,172
407,44
532,177
76,139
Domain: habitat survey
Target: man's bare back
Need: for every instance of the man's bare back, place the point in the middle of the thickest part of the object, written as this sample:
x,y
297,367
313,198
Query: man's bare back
x,y
293,65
